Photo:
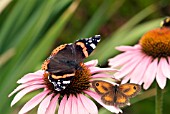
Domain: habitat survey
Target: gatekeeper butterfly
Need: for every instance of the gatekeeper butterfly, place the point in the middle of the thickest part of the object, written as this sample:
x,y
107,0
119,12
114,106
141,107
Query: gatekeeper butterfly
x,y
114,94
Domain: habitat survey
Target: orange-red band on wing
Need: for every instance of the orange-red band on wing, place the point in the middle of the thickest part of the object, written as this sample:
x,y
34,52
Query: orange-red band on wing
x,y
84,48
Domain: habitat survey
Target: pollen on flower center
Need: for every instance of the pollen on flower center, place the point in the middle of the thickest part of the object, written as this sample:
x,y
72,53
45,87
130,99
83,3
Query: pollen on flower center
x,y
78,84
156,43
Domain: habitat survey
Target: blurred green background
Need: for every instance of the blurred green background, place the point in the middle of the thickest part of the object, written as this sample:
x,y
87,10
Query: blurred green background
x,y
30,29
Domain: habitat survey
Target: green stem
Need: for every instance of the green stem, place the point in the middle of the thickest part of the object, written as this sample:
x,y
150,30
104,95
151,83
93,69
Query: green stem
x,y
159,100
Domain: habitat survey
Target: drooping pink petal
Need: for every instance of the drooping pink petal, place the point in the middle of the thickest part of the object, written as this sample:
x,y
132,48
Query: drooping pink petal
x,y
150,74
52,107
39,72
101,75
44,104
160,78
33,102
97,70
74,105
137,46
117,57
128,48
32,76
126,78
140,69
25,85
81,108
91,63
88,104
165,67
96,97
129,66
121,59
110,81
62,105
168,58
24,92
68,105
141,81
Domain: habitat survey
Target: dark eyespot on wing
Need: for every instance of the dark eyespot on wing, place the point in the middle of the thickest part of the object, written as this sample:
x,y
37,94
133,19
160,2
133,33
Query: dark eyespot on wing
x,y
102,87
130,89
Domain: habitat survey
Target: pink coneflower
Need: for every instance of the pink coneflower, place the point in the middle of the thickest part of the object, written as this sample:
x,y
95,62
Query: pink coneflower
x,y
147,60
71,100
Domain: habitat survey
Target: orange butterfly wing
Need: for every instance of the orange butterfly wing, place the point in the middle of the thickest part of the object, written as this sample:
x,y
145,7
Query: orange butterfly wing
x,y
108,98
120,99
114,97
102,87
109,95
130,89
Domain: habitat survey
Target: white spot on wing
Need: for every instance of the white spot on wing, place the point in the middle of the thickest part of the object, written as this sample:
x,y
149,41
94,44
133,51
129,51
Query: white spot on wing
x,y
97,35
63,87
57,89
98,40
90,41
59,83
93,46
66,82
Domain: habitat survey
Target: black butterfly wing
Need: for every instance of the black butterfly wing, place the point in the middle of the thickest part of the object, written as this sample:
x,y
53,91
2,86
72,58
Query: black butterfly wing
x,y
66,60
89,44
61,83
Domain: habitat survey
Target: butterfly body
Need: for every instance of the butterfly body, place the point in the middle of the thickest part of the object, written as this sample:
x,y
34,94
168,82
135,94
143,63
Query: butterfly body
x,y
166,22
114,94
66,59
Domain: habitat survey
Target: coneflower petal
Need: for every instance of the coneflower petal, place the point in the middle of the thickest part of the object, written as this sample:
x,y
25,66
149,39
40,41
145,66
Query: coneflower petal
x,y
52,106
33,102
44,104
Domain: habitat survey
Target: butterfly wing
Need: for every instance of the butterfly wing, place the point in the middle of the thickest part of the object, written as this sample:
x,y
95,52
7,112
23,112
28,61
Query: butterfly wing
x,y
114,97
88,44
129,90
120,99
108,98
102,87
67,58
65,61
60,84
105,89
110,94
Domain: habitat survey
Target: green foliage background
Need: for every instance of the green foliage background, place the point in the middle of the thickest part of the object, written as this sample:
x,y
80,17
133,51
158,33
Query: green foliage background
x,y
30,29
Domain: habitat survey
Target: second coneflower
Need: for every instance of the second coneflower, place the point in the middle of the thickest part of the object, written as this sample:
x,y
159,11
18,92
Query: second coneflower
x,y
147,60
65,80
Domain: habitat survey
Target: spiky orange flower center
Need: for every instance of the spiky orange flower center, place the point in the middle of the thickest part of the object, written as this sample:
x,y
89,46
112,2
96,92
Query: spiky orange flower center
x,y
78,84
156,43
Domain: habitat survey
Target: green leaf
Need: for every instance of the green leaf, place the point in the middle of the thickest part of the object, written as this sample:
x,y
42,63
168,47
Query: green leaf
x,y
36,54
107,9
106,47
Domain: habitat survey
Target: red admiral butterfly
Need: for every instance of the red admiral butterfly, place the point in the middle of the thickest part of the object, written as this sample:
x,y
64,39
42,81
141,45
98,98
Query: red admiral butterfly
x,y
66,59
